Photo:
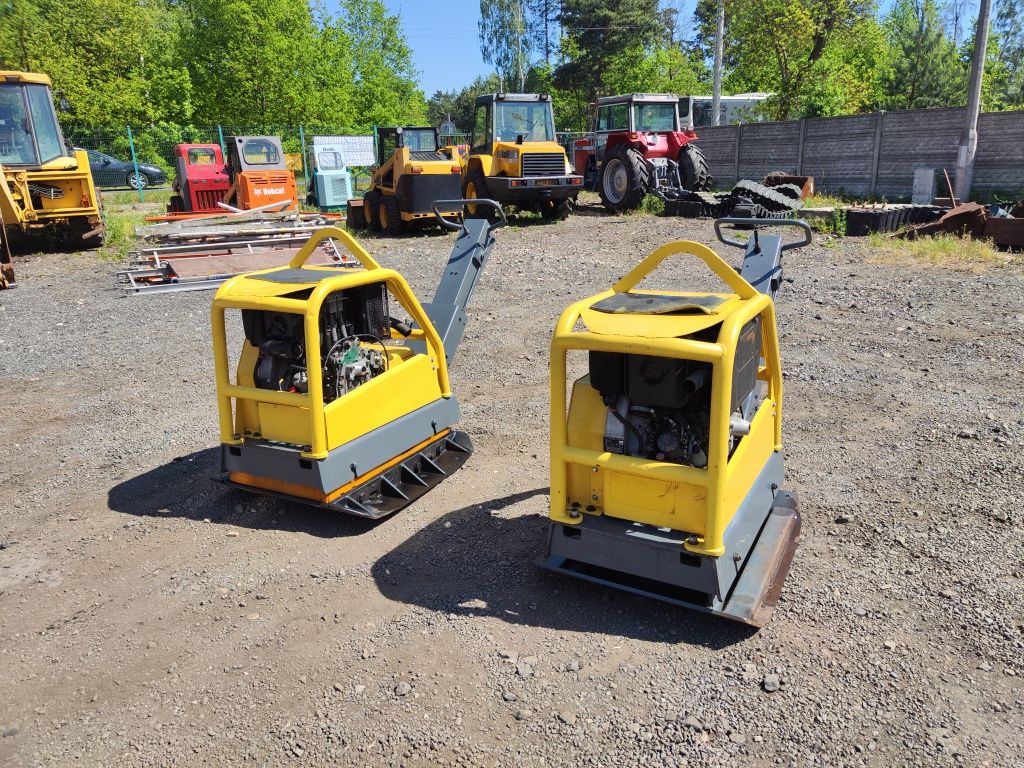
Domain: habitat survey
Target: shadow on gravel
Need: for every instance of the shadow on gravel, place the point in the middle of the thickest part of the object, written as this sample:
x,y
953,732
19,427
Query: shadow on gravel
x,y
470,563
185,488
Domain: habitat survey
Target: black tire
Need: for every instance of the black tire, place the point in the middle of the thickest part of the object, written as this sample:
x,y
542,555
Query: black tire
x,y
389,216
475,188
556,210
625,178
137,181
371,202
76,241
694,173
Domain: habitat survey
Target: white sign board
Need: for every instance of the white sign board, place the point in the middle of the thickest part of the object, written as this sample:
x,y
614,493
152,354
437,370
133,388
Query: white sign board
x,y
356,150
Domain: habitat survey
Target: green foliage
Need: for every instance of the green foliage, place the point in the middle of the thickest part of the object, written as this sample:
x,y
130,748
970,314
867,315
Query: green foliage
x,y
780,46
1009,28
169,63
386,89
505,41
113,59
459,104
926,70
600,35
651,205
834,224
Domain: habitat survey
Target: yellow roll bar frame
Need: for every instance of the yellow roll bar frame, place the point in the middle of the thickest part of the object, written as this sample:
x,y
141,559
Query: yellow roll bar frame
x,y
309,308
721,355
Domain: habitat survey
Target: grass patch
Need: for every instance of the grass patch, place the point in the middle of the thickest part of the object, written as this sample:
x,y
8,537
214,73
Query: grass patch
x,y
942,250
120,238
824,201
833,224
127,198
652,205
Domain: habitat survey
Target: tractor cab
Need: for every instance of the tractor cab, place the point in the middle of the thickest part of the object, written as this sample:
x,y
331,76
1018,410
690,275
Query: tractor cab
x,y
640,147
653,114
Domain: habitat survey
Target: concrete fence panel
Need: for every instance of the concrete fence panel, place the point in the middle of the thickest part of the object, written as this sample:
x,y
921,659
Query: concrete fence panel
x,y
870,155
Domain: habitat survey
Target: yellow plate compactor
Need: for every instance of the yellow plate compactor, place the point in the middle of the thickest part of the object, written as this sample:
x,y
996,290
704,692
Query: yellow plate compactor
x,y
666,470
335,403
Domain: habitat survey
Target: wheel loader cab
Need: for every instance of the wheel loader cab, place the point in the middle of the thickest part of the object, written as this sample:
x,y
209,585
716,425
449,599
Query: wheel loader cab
x,y
515,157
413,171
46,184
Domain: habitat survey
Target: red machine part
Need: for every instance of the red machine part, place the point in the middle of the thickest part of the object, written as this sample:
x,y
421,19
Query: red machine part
x,y
202,178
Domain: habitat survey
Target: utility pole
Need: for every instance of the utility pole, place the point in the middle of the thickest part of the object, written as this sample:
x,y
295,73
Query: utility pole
x,y
716,92
969,137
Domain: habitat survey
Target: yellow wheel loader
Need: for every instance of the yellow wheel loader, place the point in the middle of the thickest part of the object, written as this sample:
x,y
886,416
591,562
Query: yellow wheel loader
x,y
45,185
334,402
412,172
515,158
666,469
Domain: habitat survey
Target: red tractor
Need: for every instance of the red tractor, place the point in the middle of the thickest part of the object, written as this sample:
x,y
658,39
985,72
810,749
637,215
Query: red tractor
x,y
639,147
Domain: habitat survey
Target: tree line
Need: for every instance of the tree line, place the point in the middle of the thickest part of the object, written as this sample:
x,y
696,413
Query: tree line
x,y
817,58
206,62
174,63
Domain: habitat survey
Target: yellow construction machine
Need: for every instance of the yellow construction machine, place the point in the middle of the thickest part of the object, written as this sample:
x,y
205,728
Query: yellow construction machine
x,y
45,184
666,469
334,402
412,172
515,158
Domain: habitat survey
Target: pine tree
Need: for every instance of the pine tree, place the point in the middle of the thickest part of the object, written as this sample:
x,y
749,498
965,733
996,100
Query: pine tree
x,y
1009,29
925,70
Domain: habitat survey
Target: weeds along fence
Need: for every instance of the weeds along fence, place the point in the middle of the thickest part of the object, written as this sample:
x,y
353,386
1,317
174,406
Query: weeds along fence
x,y
154,144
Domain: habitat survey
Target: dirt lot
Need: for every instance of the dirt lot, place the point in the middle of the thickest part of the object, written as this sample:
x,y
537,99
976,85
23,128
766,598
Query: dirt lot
x,y
149,617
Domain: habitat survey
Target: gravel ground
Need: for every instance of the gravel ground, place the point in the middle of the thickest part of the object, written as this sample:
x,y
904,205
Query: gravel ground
x,y
149,617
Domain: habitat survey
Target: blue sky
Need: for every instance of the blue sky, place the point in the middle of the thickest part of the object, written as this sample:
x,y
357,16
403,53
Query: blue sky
x,y
446,49
444,41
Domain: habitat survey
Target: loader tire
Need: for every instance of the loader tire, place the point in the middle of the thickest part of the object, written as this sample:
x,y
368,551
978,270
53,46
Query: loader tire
x,y
475,188
371,212
389,216
693,170
625,179
556,210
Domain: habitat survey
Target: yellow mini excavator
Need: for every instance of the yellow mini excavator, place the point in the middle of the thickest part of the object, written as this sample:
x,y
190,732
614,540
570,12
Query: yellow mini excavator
x,y
666,470
335,402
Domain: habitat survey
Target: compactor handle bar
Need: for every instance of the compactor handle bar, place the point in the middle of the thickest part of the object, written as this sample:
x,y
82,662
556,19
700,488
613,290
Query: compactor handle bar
x,y
756,224
450,204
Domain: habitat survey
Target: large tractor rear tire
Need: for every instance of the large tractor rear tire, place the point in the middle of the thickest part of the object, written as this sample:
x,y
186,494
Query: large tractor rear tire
x,y
371,210
625,179
556,210
390,216
693,170
475,188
